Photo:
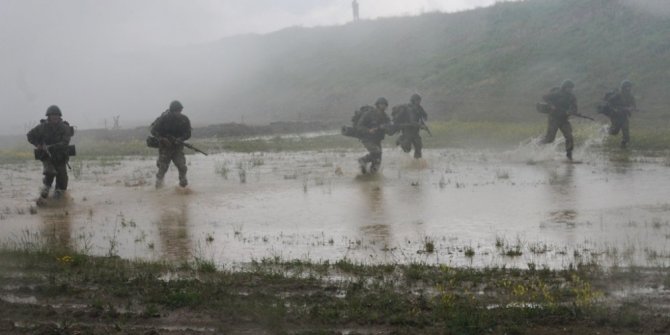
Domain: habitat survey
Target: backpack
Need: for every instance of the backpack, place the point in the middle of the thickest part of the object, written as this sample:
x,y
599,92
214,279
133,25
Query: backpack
x,y
605,107
351,131
359,113
400,114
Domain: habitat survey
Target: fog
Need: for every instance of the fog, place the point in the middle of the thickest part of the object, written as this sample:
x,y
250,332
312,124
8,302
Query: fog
x,y
127,58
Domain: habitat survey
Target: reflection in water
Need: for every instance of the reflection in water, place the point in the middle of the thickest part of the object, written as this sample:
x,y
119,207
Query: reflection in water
x,y
57,225
173,229
375,228
562,193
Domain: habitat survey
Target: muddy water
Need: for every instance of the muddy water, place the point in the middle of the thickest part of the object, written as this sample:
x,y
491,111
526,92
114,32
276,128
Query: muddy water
x,y
456,207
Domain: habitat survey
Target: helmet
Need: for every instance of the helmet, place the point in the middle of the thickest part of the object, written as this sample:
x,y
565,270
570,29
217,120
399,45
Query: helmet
x,y
54,110
381,101
176,106
567,84
415,98
626,85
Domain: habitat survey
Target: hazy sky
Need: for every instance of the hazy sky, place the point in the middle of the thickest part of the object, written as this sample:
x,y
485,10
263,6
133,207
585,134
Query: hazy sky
x,y
130,24
43,40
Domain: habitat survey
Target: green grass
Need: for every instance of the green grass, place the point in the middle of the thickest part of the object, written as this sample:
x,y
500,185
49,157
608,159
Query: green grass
x,y
305,294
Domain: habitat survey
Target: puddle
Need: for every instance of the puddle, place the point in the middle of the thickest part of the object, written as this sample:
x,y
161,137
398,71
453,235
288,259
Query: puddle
x,y
455,207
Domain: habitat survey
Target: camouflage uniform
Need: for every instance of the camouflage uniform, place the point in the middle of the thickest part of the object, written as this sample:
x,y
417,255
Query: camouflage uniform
x,y
563,103
373,119
620,105
171,128
57,136
414,114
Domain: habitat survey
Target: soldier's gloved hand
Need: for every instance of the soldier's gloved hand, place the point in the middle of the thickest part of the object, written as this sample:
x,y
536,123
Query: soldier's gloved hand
x,y
41,147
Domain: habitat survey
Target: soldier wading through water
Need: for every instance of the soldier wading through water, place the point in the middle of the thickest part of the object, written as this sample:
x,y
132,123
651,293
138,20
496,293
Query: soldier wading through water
x,y
619,106
372,126
171,129
410,119
559,104
51,139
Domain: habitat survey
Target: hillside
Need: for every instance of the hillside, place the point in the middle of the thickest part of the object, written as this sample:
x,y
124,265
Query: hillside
x,y
491,63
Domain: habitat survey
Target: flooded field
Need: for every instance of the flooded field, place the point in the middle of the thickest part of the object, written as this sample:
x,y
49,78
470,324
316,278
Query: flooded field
x,y
523,208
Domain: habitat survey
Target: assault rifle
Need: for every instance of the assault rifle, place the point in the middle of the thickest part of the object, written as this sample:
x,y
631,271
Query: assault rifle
x,y
546,108
421,125
46,150
582,116
188,145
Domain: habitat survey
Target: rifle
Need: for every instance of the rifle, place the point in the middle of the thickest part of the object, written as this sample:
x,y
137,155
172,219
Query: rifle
x,y
46,150
188,145
583,116
421,125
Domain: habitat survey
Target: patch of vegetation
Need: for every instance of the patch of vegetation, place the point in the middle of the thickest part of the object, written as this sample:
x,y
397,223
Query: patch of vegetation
x,y
304,295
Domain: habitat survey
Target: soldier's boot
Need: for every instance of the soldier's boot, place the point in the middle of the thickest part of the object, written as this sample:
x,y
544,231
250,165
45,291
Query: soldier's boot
x,y
183,182
624,144
362,163
58,193
569,154
44,191
159,183
417,153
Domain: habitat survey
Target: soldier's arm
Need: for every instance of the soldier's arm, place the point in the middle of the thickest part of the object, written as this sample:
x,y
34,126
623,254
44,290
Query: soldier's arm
x,y
186,132
572,108
363,123
423,114
33,136
156,128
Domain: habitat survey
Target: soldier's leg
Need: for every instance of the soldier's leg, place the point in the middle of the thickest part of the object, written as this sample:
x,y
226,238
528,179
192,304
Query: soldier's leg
x,y
375,156
61,176
615,126
49,172
552,128
179,161
418,145
626,132
566,130
405,142
163,163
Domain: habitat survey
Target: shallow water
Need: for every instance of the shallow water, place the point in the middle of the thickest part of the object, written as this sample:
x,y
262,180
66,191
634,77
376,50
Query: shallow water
x,y
504,208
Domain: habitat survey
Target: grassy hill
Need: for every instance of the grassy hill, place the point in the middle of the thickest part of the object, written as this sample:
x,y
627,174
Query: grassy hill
x,y
485,64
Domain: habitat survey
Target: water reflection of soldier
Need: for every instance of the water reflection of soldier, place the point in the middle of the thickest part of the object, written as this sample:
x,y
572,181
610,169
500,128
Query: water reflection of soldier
x,y
411,116
619,106
52,138
354,6
171,128
372,126
562,103
173,231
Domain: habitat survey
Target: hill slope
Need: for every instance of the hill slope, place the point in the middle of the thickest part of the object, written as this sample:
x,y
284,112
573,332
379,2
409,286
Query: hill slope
x,y
491,63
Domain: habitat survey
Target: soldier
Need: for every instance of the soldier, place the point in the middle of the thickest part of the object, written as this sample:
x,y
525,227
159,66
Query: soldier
x,y
51,138
619,106
372,125
172,128
561,103
354,7
410,119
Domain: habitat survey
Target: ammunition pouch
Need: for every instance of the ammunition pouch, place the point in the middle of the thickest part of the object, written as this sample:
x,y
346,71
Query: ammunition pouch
x,y
350,132
543,108
57,154
153,142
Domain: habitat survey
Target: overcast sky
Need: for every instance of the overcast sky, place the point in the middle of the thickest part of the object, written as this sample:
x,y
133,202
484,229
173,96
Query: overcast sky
x,y
131,24
45,42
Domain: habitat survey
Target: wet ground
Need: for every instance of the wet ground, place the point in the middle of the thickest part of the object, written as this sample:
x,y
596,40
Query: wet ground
x,y
454,207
